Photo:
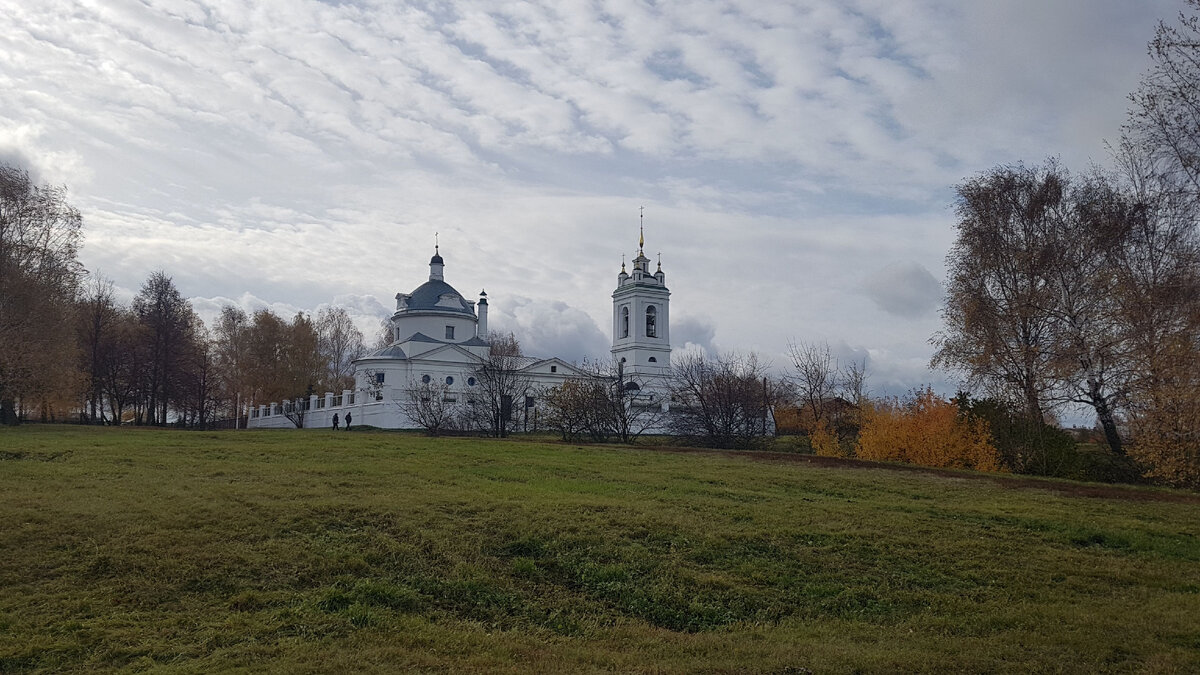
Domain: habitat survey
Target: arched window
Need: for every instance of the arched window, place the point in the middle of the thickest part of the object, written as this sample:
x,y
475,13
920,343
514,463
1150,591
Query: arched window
x,y
651,321
624,322
653,360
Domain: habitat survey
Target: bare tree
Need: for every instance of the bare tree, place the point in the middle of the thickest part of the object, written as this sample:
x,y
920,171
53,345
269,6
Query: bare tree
x,y
231,355
167,321
578,408
341,342
503,344
724,402
636,405
1088,344
605,403
121,368
998,329
432,405
830,395
199,395
854,383
1062,289
296,410
1165,118
502,383
1158,268
39,277
815,377
98,314
384,336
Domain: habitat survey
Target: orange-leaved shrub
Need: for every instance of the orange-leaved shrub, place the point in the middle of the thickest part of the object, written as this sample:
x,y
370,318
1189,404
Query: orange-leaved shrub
x,y
926,429
825,441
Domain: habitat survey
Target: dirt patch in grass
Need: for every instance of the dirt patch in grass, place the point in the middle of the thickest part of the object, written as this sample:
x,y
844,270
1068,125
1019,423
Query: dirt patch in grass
x,y
1063,487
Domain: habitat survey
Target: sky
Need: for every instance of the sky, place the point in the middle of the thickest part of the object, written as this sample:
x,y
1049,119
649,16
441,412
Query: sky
x,y
796,160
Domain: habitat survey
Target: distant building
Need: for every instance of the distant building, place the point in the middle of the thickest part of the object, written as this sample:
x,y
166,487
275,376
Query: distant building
x,y
438,336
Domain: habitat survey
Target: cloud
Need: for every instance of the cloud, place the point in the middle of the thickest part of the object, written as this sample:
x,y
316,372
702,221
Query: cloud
x,y
364,310
693,333
23,146
550,328
906,290
293,154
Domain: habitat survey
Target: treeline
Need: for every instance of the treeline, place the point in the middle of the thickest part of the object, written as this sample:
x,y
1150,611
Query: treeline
x,y
1064,290
1084,289
70,351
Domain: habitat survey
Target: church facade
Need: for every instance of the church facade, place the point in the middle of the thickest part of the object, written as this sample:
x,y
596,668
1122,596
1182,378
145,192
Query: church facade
x,y
439,338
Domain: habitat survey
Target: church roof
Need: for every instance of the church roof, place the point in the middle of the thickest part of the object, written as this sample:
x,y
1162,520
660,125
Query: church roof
x,y
428,295
389,352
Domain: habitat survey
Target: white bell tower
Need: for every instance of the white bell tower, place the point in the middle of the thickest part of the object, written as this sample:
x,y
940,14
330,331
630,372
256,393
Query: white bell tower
x,y
641,318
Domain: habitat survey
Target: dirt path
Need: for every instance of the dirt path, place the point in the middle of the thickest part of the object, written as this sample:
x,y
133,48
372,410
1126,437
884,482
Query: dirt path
x,y
1012,482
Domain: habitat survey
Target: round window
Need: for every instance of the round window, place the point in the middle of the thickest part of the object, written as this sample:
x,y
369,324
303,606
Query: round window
x,y
471,381
425,379
449,380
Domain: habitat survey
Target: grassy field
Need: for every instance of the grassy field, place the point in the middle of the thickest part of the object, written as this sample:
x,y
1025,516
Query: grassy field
x,y
315,551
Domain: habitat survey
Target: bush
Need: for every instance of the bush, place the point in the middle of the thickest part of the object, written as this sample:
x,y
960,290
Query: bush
x,y
794,443
1095,462
825,442
1166,438
1025,446
926,429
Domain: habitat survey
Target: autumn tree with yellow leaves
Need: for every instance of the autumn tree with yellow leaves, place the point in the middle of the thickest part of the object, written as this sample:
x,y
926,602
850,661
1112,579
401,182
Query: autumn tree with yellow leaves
x,y
926,429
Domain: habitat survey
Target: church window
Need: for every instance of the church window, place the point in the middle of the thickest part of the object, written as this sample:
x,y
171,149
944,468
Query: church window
x,y
425,379
449,380
449,332
653,360
379,378
470,382
554,369
651,321
624,322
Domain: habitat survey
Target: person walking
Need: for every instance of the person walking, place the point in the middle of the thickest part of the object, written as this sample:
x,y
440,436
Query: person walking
x,y
347,421
335,421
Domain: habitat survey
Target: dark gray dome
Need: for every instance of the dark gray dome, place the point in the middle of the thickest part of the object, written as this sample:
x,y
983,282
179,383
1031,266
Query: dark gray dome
x,y
427,295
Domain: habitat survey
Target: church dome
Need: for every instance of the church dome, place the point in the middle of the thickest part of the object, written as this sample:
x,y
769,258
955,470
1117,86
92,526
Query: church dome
x,y
436,295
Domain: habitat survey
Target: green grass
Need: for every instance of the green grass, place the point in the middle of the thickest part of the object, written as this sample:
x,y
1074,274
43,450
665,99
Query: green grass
x,y
317,552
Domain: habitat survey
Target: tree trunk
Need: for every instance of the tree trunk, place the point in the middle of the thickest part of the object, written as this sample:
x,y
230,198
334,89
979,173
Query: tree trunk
x,y
1033,405
1105,414
8,413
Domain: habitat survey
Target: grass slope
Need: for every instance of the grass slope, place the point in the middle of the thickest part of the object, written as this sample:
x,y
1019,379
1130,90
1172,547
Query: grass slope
x,y
315,551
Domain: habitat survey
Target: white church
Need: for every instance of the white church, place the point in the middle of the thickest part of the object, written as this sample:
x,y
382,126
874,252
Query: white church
x,y
438,336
